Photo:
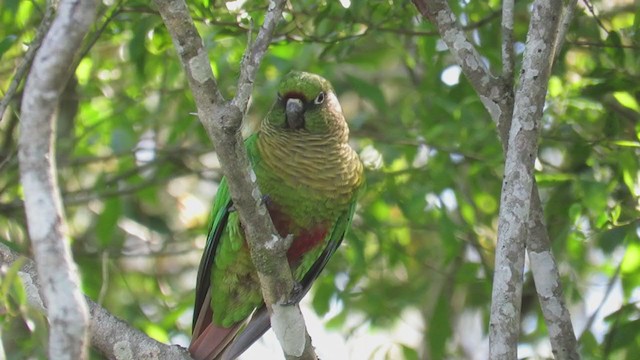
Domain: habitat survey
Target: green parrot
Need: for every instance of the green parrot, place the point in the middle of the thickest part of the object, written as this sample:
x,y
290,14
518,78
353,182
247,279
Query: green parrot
x,y
310,178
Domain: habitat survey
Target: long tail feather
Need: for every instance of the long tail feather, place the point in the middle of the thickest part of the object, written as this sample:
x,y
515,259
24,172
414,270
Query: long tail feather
x,y
257,326
212,342
209,341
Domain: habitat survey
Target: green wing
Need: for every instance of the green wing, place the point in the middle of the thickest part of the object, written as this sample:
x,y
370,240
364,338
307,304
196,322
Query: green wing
x,y
217,224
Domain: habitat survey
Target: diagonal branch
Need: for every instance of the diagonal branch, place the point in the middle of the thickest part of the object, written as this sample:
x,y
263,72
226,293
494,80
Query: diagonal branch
x,y
466,55
21,71
222,120
567,16
114,338
548,286
495,96
66,307
254,54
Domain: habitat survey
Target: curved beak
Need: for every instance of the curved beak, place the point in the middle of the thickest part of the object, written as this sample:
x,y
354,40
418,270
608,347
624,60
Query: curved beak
x,y
294,113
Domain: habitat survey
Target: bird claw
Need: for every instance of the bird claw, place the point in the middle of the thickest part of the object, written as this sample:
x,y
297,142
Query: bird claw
x,y
295,296
266,200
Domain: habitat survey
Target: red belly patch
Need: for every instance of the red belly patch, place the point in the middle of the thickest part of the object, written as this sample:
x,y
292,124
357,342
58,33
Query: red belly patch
x,y
304,239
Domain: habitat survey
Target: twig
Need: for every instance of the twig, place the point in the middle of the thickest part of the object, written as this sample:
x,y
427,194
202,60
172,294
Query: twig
x,y
66,307
21,71
508,54
96,34
607,292
254,54
567,16
602,45
592,10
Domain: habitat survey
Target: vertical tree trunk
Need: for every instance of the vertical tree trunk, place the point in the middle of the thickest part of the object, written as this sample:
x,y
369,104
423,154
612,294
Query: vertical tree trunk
x,y
66,307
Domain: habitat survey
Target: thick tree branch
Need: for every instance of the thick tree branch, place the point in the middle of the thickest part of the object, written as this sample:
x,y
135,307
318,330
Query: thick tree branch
x,y
544,268
114,338
66,308
518,179
222,120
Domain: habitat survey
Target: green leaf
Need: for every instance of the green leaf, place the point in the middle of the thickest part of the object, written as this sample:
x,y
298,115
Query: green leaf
x,y
440,328
615,48
6,43
623,335
626,143
636,25
368,91
137,45
610,239
409,353
106,228
324,290
122,140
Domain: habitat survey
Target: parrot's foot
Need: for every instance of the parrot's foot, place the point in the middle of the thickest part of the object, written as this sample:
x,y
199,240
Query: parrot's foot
x,y
297,293
266,200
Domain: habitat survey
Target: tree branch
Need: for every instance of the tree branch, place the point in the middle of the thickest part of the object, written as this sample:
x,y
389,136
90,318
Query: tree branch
x,y
66,308
495,96
465,54
43,28
222,120
518,179
544,268
508,55
567,16
548,286
114,338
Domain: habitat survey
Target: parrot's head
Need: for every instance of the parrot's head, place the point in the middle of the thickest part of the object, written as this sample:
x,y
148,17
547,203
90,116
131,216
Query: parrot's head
x,y
306,103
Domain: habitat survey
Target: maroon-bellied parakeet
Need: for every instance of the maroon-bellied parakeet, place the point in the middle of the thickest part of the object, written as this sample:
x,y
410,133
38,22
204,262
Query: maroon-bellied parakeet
x,y
310,177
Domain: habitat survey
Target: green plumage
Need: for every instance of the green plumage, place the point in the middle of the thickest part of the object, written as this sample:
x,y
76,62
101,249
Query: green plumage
x,y
311,176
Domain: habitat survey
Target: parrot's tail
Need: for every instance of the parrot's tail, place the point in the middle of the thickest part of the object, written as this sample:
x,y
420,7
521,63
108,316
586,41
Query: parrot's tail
x,y
208,340
211,342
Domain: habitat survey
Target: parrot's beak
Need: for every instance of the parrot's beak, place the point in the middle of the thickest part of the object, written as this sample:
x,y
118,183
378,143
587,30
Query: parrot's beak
x,y
294,112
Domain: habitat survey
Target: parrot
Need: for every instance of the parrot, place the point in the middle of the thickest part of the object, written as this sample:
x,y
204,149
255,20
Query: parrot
x,y
311,179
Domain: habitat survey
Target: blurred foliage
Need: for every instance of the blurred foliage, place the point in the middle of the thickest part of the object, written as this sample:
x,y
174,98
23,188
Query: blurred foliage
x,y
137,171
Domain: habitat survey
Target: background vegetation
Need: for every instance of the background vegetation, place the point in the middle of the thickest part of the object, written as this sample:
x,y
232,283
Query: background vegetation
x,y
138,173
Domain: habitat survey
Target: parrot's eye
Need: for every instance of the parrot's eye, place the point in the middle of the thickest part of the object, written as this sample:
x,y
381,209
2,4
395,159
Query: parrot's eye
x,y
319,99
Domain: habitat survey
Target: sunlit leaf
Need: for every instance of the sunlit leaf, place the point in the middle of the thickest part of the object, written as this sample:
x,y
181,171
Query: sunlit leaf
x,y
6,43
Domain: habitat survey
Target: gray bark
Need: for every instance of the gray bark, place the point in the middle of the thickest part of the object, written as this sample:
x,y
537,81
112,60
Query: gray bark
x,y
114,338
66,308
